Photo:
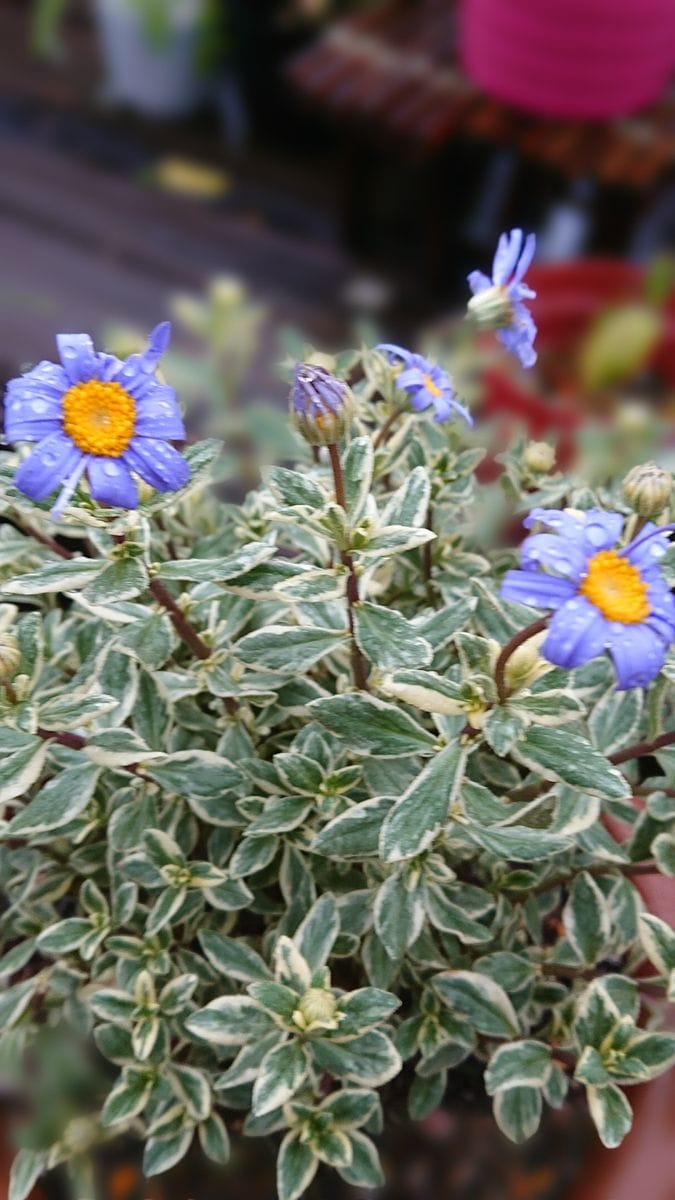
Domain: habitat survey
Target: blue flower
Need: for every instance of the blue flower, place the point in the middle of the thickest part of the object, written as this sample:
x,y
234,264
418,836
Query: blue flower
x,y
498,301
94,413
426,384
605,597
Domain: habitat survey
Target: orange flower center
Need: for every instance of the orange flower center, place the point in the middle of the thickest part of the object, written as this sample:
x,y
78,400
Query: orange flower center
x,y
616,588
431,386
99,417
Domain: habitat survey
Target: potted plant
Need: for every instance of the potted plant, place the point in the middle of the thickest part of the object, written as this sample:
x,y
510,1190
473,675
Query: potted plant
x,y
580,59
158,54
311,802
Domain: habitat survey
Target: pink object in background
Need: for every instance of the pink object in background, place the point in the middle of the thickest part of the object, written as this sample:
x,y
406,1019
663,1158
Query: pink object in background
x,y
581,59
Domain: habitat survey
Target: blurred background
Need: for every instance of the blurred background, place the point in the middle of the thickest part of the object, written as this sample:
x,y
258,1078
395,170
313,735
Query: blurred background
x,y
277,173
271,172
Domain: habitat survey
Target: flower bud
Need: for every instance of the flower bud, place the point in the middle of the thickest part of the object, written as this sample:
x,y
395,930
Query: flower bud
x,y
492,308
10,656
539,457
317,1009
648,489
526,664
321,405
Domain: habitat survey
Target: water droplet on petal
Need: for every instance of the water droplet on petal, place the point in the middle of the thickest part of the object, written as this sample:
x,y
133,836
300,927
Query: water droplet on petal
x,y
110,468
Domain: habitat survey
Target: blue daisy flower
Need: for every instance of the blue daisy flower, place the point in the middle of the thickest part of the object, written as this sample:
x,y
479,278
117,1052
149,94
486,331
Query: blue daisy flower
x,y
92,412
606,597
426,384
498,301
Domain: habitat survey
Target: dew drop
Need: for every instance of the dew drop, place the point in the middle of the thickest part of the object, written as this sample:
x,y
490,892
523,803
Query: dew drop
x,y
110,468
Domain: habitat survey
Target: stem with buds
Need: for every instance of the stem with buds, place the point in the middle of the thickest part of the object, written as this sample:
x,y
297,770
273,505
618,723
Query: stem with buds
x,y
359,667
518,639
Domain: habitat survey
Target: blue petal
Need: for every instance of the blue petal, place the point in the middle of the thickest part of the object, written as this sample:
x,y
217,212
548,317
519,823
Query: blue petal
x,y
33,403
577,633
158,343
157,463
662,610
139,367
648,548
390,350
518,338
110,482
525,258
31,429
157,414
80,361
506,256
638,655
69,485
420,398
47,379
536,589
411,377
479,282
565,523
556,553
601,529
447,406
52,461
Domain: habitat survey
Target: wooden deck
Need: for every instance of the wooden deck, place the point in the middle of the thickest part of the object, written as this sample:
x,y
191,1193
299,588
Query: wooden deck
x,y
85,241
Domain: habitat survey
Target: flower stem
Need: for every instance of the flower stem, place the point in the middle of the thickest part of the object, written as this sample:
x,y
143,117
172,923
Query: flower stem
x,y
186,632
44,540
547,885
642,748
503,690
72,740
183,628
359,668
384,431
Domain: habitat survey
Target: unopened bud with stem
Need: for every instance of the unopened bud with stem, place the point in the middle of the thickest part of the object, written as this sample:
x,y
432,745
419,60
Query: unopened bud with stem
x,y
321,405
648,488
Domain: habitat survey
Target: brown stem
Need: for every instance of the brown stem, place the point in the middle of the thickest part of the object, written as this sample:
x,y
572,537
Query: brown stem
x,y
72,740
179,621
547,885
641,748
384,431
562,971
503,691
42,538
359,668
186,632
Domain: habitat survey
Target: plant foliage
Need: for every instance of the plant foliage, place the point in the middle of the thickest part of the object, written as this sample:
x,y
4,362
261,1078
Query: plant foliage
x,y
257,889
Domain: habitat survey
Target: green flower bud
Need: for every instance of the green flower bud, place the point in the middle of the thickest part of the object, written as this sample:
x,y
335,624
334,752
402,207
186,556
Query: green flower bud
x,y
526,664
492,308
648,489
10,656
321,405
539,457
317,1010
